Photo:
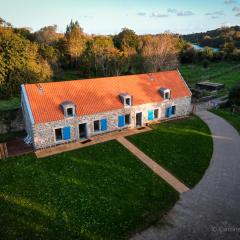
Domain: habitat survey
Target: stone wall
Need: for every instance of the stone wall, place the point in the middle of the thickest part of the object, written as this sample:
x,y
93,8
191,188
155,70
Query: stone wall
x,y
44,133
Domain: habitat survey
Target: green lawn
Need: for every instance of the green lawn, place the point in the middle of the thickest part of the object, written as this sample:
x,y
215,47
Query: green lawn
x,y
183,147
232,118
98,192
9,104
222,72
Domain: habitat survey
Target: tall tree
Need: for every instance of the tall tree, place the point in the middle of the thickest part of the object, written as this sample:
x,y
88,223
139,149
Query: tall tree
x,y
127,41
160,52
75,43
106,59
48,34
20,62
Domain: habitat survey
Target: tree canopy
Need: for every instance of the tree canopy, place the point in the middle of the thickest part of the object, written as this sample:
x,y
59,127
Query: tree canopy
x,y
44,55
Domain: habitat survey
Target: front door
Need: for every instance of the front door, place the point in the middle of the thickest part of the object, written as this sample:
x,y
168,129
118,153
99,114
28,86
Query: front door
x,y
83,131
138,119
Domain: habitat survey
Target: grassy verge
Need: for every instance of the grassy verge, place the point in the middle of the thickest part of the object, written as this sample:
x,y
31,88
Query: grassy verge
x,y
232,118
9,104
183,147
98,192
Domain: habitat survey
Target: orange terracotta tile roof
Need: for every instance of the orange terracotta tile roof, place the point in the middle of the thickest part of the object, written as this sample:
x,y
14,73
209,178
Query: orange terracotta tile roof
x,y
101,94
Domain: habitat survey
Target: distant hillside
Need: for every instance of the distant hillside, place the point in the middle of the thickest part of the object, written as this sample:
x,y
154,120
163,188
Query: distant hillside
x,y
216,38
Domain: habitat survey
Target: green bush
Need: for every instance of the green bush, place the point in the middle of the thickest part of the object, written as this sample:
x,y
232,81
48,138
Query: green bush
x,y
234,95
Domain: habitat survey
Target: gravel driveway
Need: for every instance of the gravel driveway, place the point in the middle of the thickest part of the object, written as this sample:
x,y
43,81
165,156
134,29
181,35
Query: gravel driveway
x,y
212,209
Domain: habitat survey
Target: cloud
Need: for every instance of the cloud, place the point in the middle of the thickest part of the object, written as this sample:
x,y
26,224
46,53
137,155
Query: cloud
x,y
142,14
230,1
184,13
238,14
158,15
236,9
217,13
214,17
172,10
180,13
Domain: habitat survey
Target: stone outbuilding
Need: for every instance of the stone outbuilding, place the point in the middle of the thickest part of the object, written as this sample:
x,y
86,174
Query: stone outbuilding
x,y
60,112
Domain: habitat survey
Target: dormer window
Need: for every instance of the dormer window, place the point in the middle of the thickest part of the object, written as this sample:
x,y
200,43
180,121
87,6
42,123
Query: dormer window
x,y
69,109
126,99
165,93
70,112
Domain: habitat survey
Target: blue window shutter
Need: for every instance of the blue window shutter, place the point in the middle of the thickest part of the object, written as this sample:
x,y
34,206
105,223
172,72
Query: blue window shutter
x,y
66,133
121,121
150,115
169,112
103,124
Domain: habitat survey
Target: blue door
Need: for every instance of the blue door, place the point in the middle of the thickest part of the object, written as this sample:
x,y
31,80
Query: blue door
x,y
103,124
121,121
150,115
169,112
66,133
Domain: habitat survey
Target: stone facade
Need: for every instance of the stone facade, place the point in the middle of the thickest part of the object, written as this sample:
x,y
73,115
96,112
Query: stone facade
x,y
43,134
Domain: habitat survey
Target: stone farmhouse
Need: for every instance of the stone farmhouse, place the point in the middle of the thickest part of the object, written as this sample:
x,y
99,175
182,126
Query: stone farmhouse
x,y
60,112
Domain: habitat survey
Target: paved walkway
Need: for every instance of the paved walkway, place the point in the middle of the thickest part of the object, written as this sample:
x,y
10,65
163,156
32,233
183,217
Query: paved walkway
x,y
94,140
212,209
165,175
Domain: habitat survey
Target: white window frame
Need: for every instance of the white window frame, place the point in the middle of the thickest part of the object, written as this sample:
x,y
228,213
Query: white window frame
x,y
96,131
175,109
130,101
129,119
154,113
73,114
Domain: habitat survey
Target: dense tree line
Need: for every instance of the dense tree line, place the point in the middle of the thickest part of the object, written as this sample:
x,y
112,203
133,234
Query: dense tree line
x,y
45,55
27,57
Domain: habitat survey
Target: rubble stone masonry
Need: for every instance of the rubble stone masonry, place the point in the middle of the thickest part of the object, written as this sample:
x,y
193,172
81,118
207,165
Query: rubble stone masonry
x,y
43,134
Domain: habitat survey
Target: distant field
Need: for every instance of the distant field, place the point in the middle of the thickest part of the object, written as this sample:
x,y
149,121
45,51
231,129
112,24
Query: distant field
x,y
222,72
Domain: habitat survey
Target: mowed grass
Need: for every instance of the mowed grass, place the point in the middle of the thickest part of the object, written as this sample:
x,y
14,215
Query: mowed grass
x,y
221,72
98,192
232,118
183,147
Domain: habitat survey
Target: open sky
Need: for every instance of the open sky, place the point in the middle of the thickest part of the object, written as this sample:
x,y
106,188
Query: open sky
x,y
110,16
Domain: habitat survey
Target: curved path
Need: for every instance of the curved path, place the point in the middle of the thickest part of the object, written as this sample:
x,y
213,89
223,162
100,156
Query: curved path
x,y
212,209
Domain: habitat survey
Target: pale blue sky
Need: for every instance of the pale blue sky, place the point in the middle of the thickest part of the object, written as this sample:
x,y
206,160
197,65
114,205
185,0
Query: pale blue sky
x,y
109,16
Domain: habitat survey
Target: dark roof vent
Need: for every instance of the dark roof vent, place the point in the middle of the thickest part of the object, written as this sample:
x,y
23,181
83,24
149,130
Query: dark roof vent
x,y
151,77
